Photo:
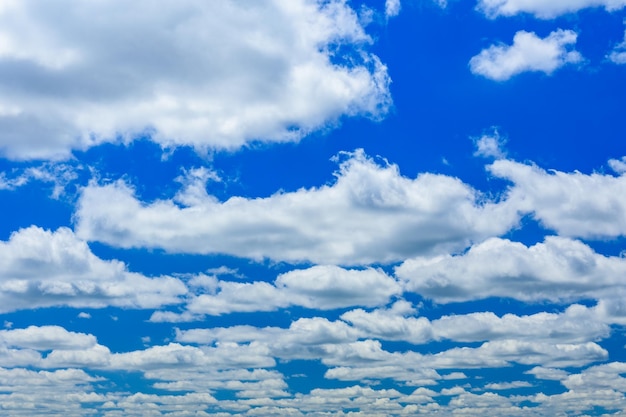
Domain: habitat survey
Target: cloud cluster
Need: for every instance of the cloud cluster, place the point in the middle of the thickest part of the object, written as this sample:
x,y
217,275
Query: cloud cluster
x,y
207,75
239,359
528,52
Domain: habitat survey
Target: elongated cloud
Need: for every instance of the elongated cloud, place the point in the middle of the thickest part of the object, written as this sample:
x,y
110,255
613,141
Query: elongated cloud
x,y
558,269
543,9
370,214
40,268
323,287
528,52
193,73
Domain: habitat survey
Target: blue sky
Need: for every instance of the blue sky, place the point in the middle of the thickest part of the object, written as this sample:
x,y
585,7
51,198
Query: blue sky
x,y
313,208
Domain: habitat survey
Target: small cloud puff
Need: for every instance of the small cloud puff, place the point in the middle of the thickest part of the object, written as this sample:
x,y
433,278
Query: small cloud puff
x,y
528,53
490,145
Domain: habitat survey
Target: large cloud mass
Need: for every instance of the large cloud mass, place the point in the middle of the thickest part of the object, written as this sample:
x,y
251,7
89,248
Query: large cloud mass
x,y
206,74
370,214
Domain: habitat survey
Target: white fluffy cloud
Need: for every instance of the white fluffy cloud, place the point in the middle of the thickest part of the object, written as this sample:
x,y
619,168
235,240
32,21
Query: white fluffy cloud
x,y
577,324
558,269
542,8
370,214
573,204
46,338
528,53
221,75
40,268
323,287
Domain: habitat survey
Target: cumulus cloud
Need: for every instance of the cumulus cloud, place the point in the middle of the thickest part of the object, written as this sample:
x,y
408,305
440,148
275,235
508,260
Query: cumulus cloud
x,y
206,75
40,268
527,53
577,324
543,9
371,213
557,269
573,204
46,338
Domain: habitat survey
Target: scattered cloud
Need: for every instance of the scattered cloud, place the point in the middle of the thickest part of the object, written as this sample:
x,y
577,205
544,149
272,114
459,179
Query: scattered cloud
x,y
543,9
527,53
96,74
